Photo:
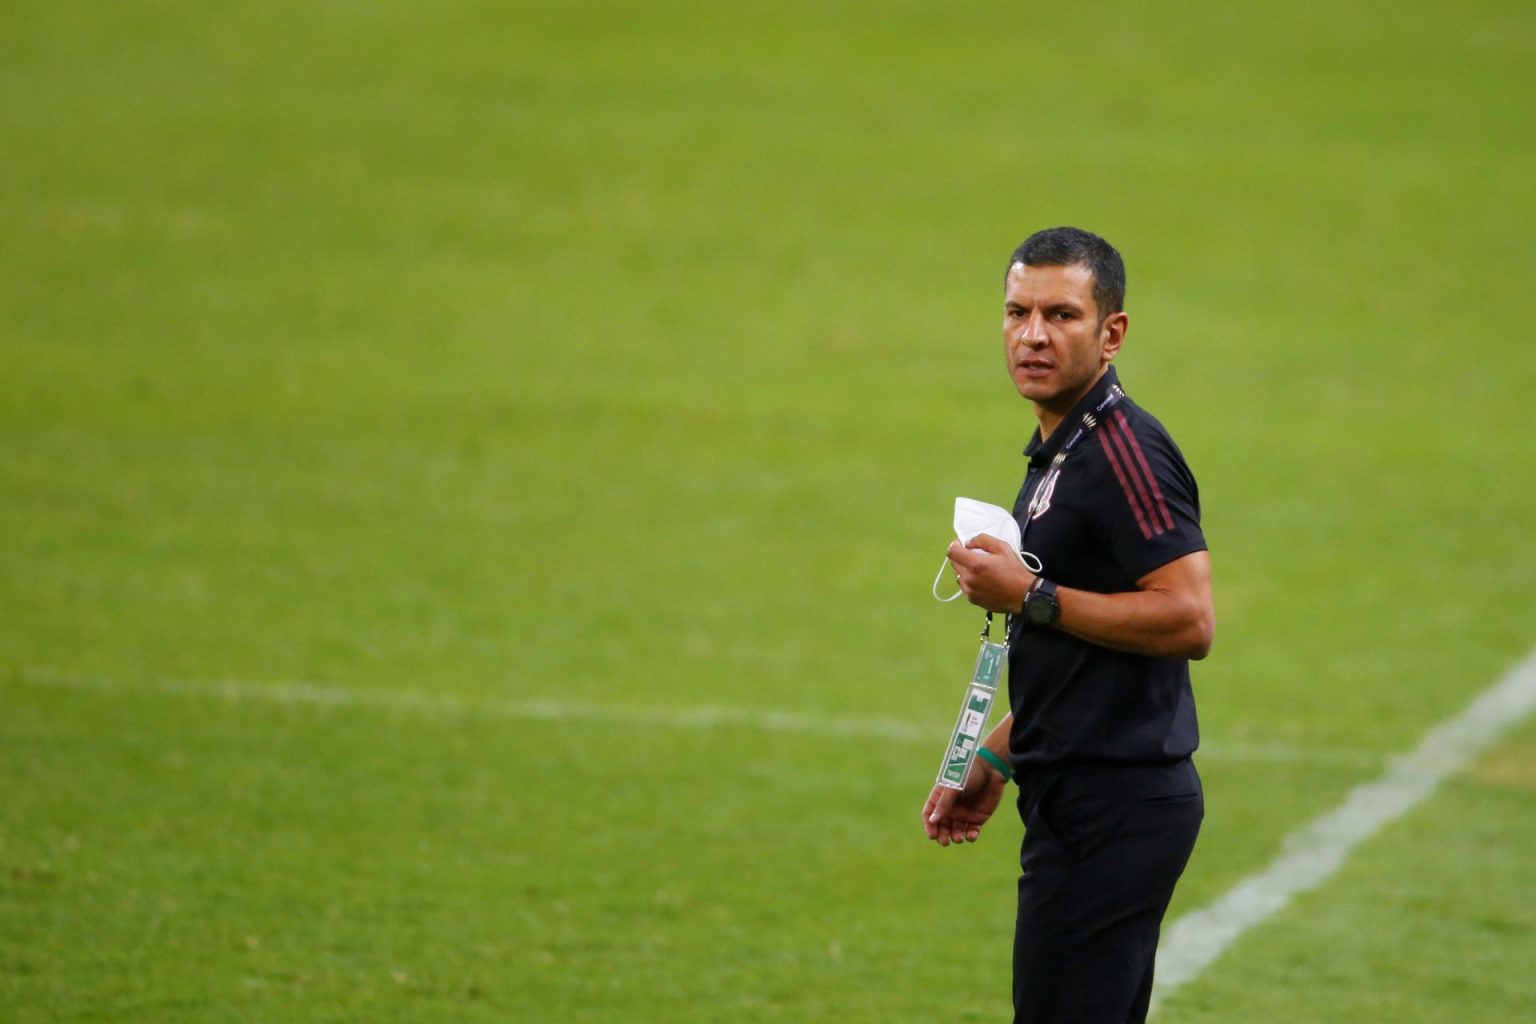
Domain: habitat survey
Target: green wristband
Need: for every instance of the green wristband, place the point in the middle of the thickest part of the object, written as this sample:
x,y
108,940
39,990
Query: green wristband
x,y
996,762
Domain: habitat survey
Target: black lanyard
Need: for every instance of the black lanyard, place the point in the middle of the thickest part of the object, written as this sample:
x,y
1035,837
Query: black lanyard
x,y
1086,426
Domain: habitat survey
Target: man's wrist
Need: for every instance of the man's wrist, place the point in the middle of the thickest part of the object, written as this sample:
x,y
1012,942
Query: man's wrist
x,y
1041,607
1001,766
1018,607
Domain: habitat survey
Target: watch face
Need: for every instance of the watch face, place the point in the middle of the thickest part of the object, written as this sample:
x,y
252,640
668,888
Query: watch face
x,y
1039,609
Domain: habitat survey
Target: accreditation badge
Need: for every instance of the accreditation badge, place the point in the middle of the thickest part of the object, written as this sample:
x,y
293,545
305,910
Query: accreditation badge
x,y
979,695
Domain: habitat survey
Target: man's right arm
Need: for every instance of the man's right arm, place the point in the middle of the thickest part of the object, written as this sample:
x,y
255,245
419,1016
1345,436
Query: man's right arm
x,y
957,815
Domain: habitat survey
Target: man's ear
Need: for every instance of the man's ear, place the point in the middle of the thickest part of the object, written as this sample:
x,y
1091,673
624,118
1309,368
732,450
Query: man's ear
x,y
1112,334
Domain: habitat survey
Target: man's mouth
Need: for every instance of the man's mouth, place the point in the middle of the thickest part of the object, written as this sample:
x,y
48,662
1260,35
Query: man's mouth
x,y
1035,367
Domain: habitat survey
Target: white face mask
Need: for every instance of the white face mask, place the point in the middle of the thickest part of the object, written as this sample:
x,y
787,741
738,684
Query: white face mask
x,y
973,518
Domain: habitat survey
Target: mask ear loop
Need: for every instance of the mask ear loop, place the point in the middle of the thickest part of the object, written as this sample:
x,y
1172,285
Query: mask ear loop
x,y
940,576
1029,558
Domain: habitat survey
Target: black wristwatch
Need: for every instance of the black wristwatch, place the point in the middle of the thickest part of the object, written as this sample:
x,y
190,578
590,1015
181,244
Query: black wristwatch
x,y
1040,607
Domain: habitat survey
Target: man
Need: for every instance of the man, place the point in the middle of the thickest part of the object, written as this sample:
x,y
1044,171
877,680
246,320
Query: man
x,y
1102,724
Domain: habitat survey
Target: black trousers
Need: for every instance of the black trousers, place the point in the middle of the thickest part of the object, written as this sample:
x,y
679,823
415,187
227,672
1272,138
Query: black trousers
x,y
1103,847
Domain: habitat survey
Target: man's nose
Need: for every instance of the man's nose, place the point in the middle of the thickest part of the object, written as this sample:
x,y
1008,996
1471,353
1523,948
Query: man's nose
x,y
1033,334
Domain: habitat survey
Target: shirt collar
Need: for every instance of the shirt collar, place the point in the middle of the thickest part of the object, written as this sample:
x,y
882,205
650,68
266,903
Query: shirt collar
x,y
1039,454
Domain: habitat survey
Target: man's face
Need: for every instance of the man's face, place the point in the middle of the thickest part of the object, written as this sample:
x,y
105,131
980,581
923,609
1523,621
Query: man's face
x,y
1055,344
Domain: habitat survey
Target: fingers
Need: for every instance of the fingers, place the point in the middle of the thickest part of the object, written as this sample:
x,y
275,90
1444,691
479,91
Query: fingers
x,y
969,554
988,543
936,814
960,555
963,832
940,821
957,832
987,578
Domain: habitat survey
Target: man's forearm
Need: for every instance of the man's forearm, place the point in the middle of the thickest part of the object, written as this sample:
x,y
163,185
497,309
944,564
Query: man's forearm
x,y
997,739
1169,614
997,742
1158,623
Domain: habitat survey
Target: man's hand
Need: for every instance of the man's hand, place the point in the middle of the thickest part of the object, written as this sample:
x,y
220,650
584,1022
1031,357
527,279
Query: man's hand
x,y
990,575
956,815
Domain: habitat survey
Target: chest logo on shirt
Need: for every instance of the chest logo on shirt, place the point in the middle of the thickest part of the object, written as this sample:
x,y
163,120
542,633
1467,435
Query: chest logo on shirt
x,y
1041,503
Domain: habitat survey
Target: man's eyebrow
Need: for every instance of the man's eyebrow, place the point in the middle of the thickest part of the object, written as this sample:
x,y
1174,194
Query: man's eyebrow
x,y
1047,304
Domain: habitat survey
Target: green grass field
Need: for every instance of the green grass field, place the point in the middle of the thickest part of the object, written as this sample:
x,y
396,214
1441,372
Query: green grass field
x,y
451,457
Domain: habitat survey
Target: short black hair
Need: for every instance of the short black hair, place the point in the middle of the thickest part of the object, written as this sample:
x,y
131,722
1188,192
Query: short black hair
x,y
1070,247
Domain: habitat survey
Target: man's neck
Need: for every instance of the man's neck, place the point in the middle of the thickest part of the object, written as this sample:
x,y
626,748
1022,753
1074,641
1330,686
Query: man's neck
x,y
1050,416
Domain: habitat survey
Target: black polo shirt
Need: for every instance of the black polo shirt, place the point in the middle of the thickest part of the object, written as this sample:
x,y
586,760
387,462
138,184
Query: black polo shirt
x,y
1123,504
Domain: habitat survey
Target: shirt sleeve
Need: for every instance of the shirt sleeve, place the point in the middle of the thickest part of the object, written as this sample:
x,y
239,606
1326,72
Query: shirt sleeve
x,y
1154,509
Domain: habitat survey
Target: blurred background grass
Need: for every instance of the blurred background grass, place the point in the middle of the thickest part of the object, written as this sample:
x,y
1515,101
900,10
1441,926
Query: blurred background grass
x,y
634,356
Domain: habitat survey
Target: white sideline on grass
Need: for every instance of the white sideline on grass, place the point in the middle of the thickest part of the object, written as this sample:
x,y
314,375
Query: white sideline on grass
x,y
1311,854
661,717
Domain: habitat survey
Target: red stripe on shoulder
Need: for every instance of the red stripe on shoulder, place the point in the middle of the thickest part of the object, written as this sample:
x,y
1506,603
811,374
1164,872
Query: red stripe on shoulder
x,y
1159,505
1125,484
1127,461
